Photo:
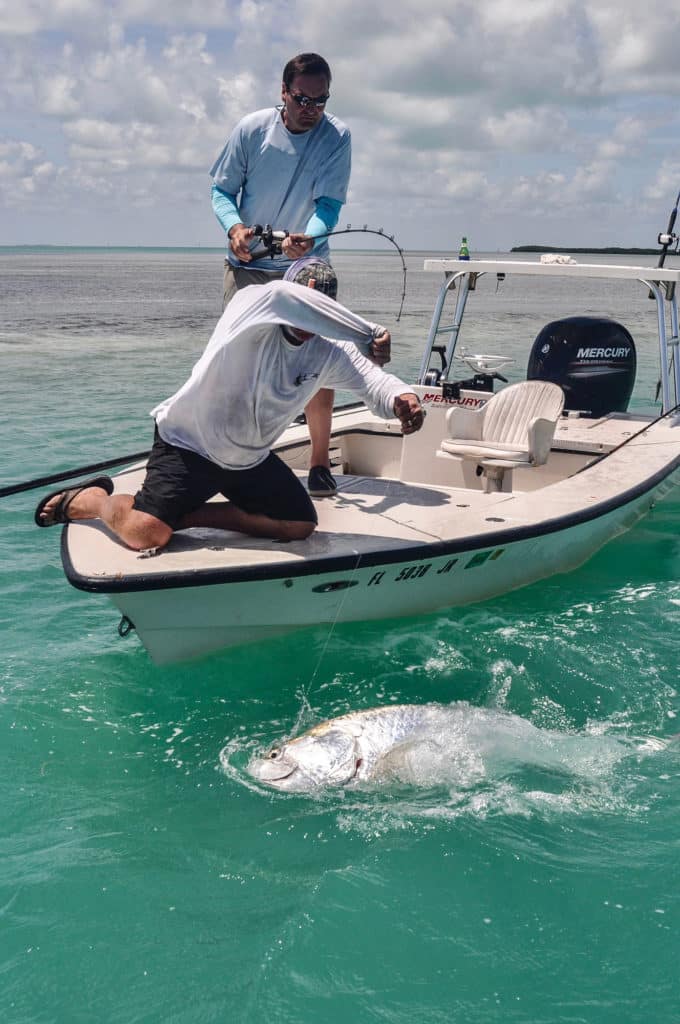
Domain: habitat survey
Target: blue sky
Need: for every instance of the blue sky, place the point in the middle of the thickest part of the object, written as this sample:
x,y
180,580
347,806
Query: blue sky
x,y
511,121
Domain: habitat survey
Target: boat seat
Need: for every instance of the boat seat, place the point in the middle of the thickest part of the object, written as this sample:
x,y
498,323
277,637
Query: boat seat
x,y
515,428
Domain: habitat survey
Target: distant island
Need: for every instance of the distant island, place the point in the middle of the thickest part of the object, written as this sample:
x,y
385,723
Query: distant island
x,y
611,249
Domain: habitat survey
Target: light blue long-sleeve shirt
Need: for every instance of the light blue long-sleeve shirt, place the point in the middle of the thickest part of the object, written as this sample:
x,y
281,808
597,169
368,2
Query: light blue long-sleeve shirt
x,y
293,181
321,223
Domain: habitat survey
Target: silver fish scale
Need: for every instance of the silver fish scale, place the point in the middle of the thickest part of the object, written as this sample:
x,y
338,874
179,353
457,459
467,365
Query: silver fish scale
x,y
379,730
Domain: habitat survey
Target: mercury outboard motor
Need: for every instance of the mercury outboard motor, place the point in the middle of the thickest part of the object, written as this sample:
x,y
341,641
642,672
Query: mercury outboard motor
x,y
592,359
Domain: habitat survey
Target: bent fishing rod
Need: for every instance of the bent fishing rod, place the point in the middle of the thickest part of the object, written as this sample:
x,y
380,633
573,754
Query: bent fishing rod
x,y
272,242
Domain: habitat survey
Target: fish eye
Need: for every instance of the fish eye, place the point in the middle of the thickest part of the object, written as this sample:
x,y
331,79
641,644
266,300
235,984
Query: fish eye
x,y
273,753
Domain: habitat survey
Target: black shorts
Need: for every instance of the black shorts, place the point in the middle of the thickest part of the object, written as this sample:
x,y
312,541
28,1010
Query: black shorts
x,y
178,482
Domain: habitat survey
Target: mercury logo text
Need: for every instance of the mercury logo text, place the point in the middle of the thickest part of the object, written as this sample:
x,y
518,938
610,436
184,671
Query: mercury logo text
x,y
602,353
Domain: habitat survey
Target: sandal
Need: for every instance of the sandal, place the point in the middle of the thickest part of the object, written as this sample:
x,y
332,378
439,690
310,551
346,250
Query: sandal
x,y
59,514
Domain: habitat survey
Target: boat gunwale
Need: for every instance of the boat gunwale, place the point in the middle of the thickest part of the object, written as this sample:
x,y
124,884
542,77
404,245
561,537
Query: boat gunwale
x,y
529,268
340,563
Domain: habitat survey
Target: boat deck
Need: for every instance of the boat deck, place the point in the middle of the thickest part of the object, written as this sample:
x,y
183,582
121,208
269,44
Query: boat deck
x,y
378,515
367,514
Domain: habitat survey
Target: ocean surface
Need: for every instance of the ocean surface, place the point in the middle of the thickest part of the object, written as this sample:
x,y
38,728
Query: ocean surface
x,y
145,878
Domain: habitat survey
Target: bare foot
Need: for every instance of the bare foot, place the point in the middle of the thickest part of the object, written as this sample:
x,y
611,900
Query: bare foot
x,y
85,504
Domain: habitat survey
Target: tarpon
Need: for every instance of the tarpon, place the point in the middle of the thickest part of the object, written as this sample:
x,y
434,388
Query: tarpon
x,y
341,750
427,744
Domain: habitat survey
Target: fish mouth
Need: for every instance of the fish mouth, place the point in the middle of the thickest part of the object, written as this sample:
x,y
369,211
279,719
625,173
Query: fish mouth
x,y
282,778
261,772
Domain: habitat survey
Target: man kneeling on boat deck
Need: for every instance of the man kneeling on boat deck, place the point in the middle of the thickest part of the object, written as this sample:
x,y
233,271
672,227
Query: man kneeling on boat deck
x,y
270,352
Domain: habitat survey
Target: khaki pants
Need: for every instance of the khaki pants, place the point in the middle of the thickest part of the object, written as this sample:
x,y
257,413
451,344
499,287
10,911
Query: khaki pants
x,y
238,277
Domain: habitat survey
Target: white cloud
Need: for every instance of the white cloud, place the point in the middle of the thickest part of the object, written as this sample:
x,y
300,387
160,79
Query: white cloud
x,y
54,95
456,109
525,129
666,184
23,171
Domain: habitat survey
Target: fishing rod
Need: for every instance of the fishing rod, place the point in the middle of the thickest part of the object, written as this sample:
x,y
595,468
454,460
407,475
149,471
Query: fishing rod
x,y
272,242
94,467
666,239
69,474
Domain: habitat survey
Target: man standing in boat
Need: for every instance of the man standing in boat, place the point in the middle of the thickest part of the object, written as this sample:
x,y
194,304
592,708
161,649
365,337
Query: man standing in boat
x,y
269,354
288,167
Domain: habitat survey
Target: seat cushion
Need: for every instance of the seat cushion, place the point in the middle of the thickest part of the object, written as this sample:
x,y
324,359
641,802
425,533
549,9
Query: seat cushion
x,y
484,450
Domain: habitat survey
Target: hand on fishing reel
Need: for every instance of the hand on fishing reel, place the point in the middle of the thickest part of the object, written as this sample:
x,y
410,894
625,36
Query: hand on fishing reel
x,y
276,243
239,240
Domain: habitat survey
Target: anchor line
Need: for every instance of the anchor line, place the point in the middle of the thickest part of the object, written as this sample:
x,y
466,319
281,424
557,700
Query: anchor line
x,y
93,467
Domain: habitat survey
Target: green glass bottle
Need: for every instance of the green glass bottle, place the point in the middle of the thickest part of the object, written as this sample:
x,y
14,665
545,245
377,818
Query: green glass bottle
x,y
464,252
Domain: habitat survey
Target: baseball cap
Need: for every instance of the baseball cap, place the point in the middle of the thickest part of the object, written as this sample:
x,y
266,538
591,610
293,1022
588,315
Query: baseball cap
x,y
302,271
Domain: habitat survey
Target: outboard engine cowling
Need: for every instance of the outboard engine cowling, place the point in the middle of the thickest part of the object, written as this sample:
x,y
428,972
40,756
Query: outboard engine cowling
x,y
592,359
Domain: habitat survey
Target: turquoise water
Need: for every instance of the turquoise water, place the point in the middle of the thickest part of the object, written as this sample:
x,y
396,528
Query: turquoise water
x,y
140,881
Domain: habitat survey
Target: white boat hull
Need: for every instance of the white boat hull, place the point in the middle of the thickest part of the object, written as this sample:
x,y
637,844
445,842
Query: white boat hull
x,y
413,528
174,624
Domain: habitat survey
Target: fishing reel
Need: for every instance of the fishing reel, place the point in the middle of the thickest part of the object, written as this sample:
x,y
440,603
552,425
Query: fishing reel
x,y
668,238
272,241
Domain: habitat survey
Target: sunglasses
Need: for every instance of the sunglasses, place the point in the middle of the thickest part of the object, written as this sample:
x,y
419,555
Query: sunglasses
x,y
309,101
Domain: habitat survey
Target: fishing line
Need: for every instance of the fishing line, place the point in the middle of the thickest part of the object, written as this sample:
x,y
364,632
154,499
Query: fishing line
x,y
305,704
272,241
349,230
306,689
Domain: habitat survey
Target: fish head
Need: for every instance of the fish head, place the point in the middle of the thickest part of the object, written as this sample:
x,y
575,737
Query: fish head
x,y
322,757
